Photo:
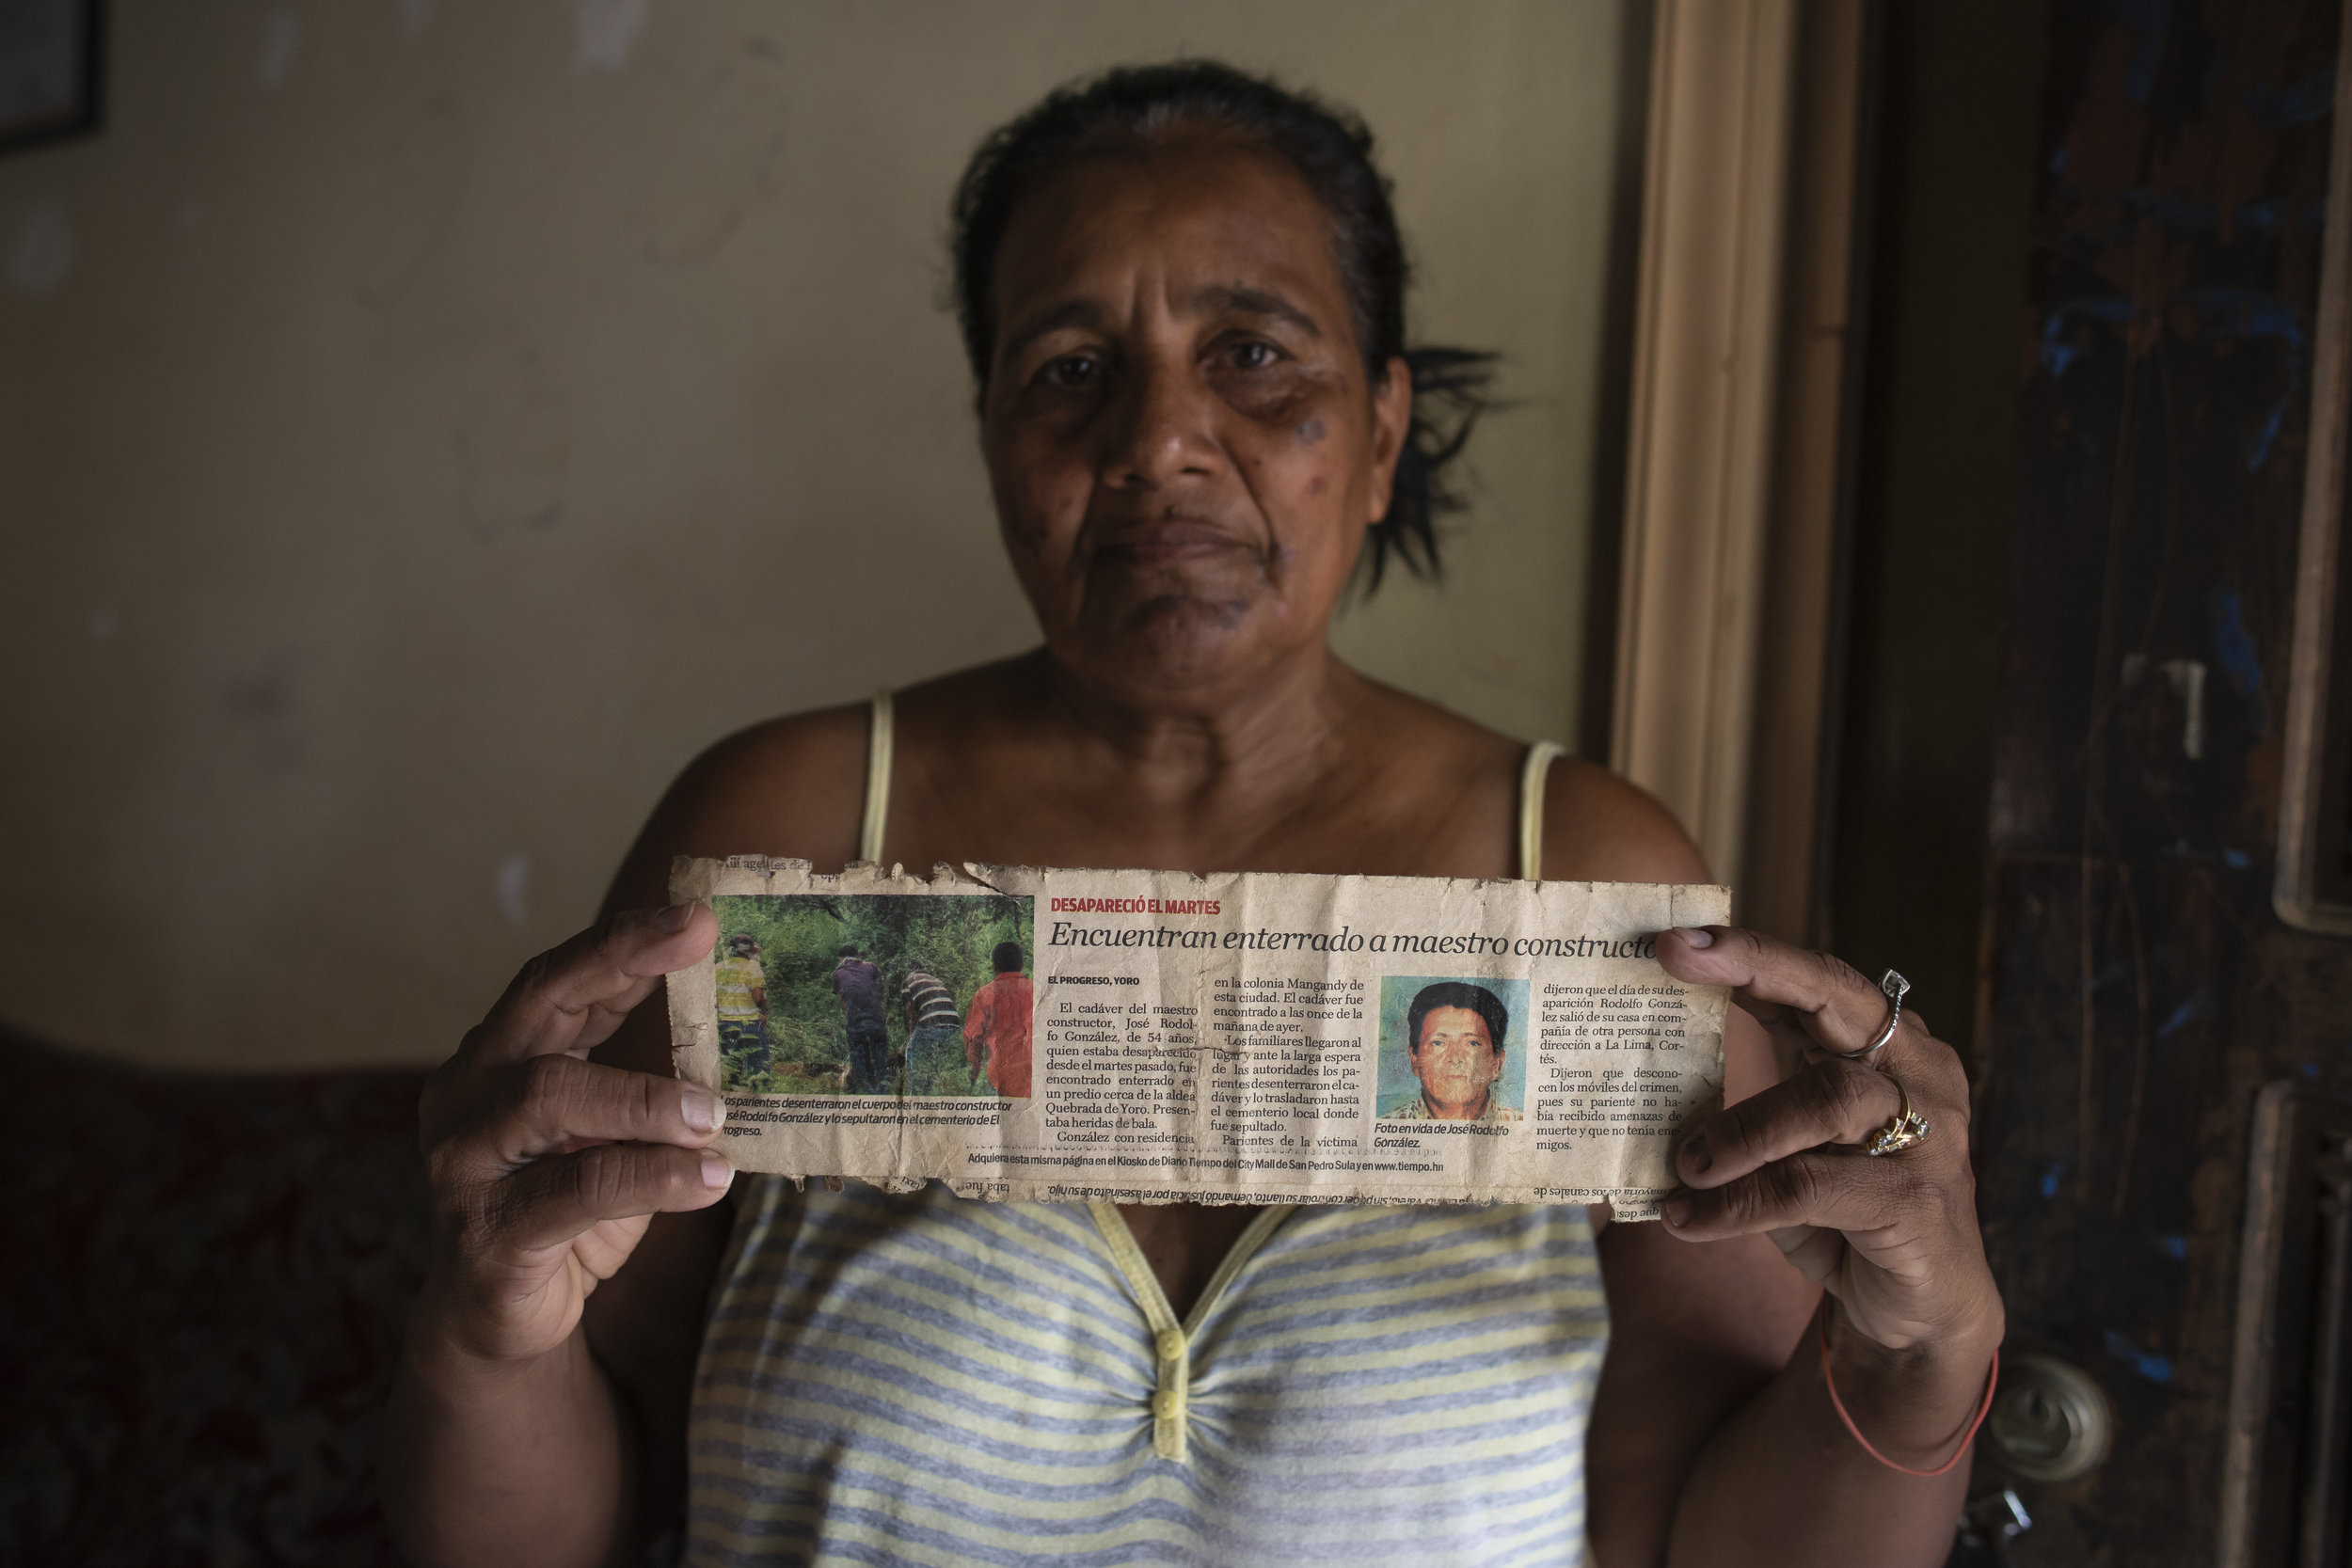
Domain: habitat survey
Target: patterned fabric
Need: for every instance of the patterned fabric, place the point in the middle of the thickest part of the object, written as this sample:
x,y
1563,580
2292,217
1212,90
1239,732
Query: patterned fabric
x,y
933,1006
202,1316
739,979
1416,1109
923,1379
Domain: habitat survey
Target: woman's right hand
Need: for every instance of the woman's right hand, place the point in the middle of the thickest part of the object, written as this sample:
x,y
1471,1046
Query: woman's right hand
x,y
546,1167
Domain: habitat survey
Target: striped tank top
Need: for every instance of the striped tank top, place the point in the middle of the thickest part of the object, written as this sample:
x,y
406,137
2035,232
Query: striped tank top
x,y
921,1379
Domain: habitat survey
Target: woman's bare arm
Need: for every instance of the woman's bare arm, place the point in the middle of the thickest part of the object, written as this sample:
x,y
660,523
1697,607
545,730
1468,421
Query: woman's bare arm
x,y
539,1412
790,787
1714,1441
502,1443
1695,1332
1914,1317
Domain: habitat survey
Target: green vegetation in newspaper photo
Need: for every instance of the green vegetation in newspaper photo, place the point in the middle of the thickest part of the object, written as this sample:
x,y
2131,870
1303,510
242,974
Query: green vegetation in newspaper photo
x,y
860,994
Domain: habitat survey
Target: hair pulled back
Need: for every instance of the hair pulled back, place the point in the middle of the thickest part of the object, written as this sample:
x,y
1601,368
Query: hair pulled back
x,y
1135,107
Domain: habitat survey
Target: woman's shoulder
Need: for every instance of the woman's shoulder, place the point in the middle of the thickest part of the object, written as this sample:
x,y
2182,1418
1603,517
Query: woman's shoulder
x,y
798,751
793,785
1599,826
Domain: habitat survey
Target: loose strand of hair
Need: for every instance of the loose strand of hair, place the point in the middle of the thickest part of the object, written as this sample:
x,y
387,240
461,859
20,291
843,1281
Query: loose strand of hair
x,y
1451,392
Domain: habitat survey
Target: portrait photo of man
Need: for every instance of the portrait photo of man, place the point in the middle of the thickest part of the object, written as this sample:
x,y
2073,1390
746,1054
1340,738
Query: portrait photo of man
x,y
1456,1063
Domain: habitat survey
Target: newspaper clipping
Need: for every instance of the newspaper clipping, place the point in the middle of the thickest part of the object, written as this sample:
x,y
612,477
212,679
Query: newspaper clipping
x,y
1150,1036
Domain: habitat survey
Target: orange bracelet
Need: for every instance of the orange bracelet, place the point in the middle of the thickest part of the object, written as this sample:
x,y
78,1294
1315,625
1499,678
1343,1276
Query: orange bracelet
x,y
1993,1381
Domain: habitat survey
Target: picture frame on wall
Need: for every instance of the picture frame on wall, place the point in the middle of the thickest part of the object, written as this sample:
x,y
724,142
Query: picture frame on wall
x,y
51,59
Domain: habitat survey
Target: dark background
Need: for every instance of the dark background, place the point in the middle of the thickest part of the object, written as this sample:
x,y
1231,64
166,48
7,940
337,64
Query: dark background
x,y
2091,282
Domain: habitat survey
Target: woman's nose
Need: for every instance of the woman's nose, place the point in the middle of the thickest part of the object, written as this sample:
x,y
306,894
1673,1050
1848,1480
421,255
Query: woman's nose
x,y
1163,431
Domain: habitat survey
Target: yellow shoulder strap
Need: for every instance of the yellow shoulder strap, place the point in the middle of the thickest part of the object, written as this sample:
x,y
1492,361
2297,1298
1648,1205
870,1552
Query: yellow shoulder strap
x,y
877,742
1532,807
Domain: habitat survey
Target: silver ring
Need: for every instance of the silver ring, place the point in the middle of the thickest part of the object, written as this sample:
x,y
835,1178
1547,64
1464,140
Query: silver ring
x,y
1896,988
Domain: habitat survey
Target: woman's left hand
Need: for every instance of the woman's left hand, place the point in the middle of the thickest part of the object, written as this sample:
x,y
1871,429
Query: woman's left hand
x,y
1894,1239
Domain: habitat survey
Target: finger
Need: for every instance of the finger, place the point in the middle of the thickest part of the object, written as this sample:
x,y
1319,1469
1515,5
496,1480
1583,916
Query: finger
x,y
1779,984
550,1203
1852,1192
553,1105
1815,1252
1825,1102
572,997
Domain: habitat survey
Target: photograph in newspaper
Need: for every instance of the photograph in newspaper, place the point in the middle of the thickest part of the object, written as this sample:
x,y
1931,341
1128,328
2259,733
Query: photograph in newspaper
x,y
859,994
1447,1053
1156,1036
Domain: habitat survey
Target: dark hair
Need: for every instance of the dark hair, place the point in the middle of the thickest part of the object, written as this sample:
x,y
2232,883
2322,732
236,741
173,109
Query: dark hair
x,y
1457,994
744,939
1330,147
847,952
1007,956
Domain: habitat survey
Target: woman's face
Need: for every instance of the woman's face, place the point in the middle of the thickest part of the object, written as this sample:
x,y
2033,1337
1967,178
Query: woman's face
x,y
1184,444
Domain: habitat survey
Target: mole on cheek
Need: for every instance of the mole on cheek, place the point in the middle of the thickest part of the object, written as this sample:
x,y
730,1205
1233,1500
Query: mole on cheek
x,y
1314,485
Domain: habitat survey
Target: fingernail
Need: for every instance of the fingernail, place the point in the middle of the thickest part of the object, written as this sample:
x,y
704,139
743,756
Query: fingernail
x,y
672,920
717,1173
1675,1212
1696,1155
701,1109
1695,936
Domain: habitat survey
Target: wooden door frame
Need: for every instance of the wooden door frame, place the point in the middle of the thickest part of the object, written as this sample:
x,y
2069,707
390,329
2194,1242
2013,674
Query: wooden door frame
x,y
2302,894
1738,471
2287,1327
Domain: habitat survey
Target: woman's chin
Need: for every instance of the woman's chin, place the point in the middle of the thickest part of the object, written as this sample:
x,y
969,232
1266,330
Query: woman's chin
x,y
1177,641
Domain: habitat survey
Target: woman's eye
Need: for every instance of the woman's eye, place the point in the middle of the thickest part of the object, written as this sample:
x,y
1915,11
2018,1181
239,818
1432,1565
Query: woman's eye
x,y
1070,370
1254,355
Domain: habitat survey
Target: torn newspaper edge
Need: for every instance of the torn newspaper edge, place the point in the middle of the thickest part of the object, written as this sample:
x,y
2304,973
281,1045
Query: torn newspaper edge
x,y
1148,1037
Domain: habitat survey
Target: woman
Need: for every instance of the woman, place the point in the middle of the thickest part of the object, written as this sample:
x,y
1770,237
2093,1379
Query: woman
x,y
1181,292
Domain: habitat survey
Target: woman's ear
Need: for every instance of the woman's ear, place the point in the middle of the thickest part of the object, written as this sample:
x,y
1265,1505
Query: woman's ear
x,y
1391,418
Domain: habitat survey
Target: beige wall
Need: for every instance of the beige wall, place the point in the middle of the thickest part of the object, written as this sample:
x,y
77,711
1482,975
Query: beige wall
x,y
424,425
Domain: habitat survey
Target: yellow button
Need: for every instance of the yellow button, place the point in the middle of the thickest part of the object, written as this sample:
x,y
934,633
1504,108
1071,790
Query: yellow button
x,y
1168,1405
1171,1344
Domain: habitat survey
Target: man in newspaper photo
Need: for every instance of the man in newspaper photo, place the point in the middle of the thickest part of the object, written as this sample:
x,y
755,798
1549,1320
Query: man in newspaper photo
x,y
1456,1038
996,1026
867,1032
933,1031
743,1008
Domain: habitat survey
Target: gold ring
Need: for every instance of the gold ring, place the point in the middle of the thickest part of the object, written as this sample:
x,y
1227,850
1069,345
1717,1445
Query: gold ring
x,y
1907,1128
